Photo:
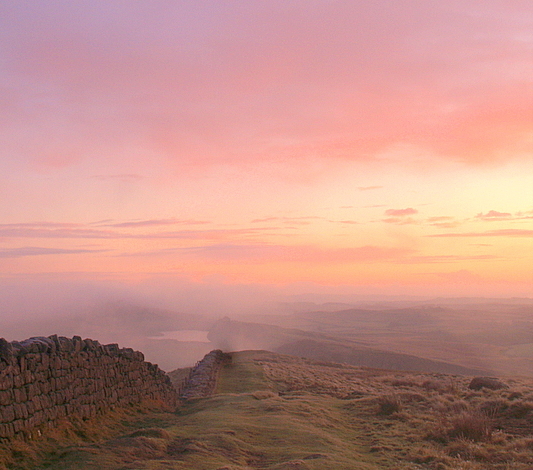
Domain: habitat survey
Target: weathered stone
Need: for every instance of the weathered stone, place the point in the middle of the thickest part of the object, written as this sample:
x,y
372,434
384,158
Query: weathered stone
x,y
6,350
7,413
6,397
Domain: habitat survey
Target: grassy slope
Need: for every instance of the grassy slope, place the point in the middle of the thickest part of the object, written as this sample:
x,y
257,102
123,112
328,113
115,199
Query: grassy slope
x,y
279,413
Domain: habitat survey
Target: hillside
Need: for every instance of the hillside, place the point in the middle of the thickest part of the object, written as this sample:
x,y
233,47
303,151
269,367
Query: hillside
x,y
277,412
494,335
227,334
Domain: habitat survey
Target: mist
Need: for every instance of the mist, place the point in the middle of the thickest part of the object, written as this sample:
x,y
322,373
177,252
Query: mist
x,y
175,321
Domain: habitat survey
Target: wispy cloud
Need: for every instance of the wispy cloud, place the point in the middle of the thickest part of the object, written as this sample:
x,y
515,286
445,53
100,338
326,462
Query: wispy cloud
x,y
39,251
39,225
155,223
450,258
125,177
27,231
401,212
289,220
306,254
368,188
494,215
400,221
81,232
346,222
443,222
491,233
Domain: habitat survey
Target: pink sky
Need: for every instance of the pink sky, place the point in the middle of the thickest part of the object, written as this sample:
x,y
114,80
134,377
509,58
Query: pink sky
x,y
381,146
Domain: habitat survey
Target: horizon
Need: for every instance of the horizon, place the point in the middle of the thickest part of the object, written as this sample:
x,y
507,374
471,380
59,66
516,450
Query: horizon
x,y
228,153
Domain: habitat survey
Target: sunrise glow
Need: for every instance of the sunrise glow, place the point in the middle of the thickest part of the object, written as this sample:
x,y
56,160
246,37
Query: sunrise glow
x,y
382,147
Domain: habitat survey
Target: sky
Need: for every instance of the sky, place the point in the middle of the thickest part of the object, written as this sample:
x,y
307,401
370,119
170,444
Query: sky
x,y
350,147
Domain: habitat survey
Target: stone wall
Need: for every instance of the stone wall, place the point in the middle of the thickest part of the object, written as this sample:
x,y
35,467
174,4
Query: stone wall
x,y
203,377
43,380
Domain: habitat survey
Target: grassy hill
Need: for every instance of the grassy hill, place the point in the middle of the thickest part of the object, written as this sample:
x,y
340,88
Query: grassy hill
x,y
278,412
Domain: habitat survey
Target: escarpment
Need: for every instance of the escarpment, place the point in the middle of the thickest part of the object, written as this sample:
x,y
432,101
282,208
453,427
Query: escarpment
x,y
46,379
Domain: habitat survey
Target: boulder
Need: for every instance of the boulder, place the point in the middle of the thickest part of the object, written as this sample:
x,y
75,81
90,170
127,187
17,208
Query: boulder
x,y
492,383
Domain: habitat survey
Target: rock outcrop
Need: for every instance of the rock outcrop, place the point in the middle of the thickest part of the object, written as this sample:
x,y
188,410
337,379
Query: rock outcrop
x,y
46,379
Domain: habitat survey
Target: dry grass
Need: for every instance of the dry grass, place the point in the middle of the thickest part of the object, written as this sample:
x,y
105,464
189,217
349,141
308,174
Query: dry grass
x,y
474,426
389,404
281,412
444,425
24,455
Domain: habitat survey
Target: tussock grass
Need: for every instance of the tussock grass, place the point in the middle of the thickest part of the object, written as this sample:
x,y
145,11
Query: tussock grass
x,y
474,426
389,404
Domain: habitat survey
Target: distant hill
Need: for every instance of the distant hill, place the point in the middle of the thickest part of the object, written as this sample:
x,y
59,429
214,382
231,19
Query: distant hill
x,y
233,335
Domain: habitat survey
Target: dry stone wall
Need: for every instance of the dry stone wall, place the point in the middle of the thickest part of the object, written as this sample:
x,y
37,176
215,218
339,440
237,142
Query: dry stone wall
x,y
203,376
46,379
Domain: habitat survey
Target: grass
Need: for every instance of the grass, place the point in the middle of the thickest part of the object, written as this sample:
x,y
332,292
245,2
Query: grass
x,y
274,412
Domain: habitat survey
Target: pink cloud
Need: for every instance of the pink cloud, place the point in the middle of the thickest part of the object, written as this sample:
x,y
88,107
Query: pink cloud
x,y
126,177
155,223
347,80
289,220
492,233
462,276
494,215
401,212
284,253
39,251
400,220
449,258
443,222
66,231
45,232
347,222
